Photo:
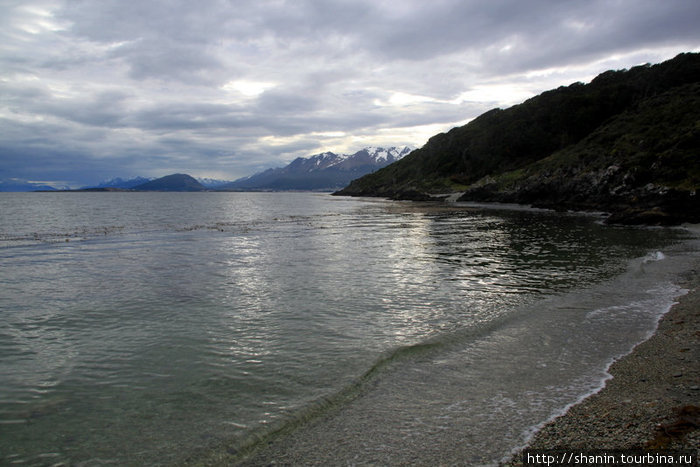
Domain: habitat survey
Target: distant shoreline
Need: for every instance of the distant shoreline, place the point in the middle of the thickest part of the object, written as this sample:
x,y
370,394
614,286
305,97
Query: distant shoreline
x,y
448,198
131,190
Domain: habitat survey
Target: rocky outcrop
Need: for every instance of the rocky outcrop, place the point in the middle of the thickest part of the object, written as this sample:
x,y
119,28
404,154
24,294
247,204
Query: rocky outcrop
x,y
642,167
626,203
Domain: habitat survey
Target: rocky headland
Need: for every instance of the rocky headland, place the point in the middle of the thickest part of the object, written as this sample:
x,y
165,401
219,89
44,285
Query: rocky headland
x,y
626,143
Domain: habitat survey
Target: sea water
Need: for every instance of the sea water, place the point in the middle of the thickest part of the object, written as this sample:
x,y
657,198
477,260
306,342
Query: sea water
x,y
158,328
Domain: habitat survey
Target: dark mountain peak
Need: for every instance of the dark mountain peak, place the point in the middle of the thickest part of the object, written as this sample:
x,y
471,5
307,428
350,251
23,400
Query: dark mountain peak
x,y
174,182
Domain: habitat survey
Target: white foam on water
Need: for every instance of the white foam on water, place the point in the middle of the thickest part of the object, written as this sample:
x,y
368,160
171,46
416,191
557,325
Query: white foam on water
x,y
654,256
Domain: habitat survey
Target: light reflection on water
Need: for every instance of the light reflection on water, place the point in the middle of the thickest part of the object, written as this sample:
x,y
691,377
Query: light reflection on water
x,y
173,322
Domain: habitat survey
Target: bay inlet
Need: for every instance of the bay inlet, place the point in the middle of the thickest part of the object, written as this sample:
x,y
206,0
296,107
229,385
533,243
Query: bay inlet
x,y
168,328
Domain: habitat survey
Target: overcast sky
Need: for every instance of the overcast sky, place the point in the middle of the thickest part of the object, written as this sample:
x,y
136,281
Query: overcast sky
x,y
94,89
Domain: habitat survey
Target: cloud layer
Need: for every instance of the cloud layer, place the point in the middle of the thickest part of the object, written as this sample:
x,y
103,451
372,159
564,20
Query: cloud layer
x,y
90,90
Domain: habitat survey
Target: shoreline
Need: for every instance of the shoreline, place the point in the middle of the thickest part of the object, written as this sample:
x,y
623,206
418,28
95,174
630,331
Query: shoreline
x,y
651,401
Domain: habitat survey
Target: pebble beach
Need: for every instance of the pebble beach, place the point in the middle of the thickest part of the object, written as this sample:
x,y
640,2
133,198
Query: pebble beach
x,y
652,400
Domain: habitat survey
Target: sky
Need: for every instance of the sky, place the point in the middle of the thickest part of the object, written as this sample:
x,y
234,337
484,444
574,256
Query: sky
x,y
95,89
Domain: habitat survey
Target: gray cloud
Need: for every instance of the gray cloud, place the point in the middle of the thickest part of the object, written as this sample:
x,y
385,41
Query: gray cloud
x,y
90,90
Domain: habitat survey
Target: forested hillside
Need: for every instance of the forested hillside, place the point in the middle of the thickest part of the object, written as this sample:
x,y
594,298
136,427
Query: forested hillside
x,y
626,143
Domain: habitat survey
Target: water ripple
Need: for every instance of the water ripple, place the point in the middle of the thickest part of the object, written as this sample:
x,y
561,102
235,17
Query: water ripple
x,y
174,322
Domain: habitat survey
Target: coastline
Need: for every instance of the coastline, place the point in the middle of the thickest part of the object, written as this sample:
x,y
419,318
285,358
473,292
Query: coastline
x,y
656,385
652,400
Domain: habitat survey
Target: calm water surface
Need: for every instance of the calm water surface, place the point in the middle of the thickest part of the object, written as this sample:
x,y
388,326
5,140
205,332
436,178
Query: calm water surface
x,y
151,328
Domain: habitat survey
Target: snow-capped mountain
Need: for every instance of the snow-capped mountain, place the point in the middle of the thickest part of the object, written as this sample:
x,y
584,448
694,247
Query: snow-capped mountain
x,y
212,182
121,183
326,171
370,156
381,155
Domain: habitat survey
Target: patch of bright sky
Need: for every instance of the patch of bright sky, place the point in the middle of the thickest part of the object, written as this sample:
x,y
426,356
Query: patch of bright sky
x,y
288,140
402,99
36,20
504,94
248,88
577,26
418,135
414,136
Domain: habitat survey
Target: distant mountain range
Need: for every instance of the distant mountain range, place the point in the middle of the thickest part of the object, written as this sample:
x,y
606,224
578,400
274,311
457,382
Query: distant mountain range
x,y
327,171
14,184
133,183
118,184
